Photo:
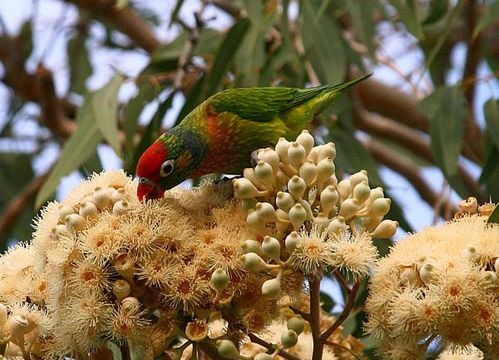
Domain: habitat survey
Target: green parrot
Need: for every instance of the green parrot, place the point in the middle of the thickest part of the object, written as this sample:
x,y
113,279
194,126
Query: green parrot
x,y
220,134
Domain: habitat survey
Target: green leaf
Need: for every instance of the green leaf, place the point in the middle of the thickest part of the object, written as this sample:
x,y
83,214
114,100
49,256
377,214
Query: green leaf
x,y
490,16
225,53
324,46
438,8
446,108
105,107
490,171
26,36
491,110
408,12
79,64
494,217
360,11
176,10
192,100
98,107
327,302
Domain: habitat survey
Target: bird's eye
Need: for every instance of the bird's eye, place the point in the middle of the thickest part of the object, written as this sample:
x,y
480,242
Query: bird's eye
x,y
166,168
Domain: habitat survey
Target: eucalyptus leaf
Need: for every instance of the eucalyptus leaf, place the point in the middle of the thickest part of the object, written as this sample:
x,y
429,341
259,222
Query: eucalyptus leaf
x,y
494,217
491,110
360,12
490,16
79,64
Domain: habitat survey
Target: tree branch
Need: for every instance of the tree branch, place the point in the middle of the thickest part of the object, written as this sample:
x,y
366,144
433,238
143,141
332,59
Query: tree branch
x,y
123,19
315,315
255,339
16,205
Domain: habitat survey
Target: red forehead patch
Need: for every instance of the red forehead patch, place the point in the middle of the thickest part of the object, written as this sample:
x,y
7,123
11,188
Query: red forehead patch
x,y
151,160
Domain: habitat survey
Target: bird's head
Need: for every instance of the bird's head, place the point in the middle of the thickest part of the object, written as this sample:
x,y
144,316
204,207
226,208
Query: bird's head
x,y
165,164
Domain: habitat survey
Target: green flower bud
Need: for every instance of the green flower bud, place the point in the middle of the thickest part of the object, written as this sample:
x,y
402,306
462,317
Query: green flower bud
x,y
296,154
243,189
266,211
379,207
470,254
426,273
75,222
65,211
88,209
271,247
219,279
327,151
120,208
314,154
349,208
343,189
252,218
306,140
282,215
337,226
101,197
264,172
117,195
357,178
227,349
321,220
333,180
308,172
250,246
297,216
489,279
19,326
329,198
284,200
272,288
297,324
253,262
376,193
289,338
292,240
386,229
282,148
248,203
61,230
263,356
296,187
361,192
130,304
121,289
371,223
325,168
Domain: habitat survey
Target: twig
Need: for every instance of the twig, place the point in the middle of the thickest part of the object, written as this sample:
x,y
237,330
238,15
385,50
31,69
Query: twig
x,y
186,54
255,339
342,282
344,348
17,204
344,314
315,315
124,19
227,6
125,351
303,314
388,158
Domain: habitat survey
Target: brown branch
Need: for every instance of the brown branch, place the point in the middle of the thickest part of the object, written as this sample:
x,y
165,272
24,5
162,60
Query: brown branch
x,y
342,282
388,158
344,314
403,108
303,314
411,140
17,204
123,19
315,315
228,7
255,339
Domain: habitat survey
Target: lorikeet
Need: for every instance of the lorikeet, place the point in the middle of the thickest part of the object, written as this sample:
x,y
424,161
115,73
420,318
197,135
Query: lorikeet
x,y
220,134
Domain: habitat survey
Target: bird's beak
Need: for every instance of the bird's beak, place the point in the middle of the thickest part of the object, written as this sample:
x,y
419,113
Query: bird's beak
x,y
149,190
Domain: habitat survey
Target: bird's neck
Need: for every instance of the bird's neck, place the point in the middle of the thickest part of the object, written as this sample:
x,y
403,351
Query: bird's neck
x,y
193,143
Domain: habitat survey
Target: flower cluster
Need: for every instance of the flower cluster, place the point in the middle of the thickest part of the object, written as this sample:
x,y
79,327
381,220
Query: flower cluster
x,y
306,220
439,286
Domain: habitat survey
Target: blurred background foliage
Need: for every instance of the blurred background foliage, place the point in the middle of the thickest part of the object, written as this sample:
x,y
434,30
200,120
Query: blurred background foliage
x,y
430,104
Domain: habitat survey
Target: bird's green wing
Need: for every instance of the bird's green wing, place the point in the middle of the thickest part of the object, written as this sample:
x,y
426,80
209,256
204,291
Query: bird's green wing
x,y
261,104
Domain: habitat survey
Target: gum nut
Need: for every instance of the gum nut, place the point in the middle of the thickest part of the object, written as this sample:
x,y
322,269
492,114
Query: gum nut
x,y
252,218
271,157
265,211
349,208
297,324
379,207
120,207
329,198
296,154
308,171
271,288
376,193
289,338
64,211
121,289
250,246
314,154
297,215
253,262
321,220
361,192
343,189
306,140
426,273
337,226
227,349
357,178
18,325
489,278
282,148
386,229
327,151
271,247
282,215
264,171
296,187
130,304
470,253
292,241
117,194
243,189
75,222
219,279
325,168
284,200
88,209
101,198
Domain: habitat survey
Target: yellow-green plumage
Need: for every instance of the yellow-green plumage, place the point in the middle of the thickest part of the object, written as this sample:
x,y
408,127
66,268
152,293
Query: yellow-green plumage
x,y
220,134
